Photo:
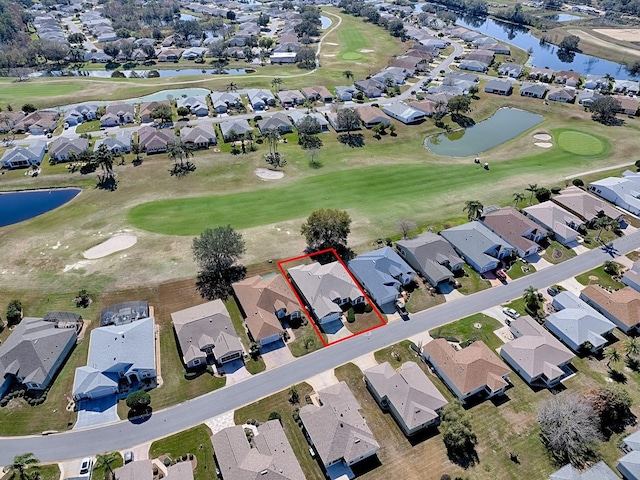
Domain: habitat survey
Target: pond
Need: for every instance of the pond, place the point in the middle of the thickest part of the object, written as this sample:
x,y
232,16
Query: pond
x,y
20,206
565,17
326,22
141,73
543,55
505,124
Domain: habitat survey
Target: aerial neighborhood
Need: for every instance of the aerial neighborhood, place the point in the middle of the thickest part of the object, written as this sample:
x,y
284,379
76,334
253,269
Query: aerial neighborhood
x,y
319,240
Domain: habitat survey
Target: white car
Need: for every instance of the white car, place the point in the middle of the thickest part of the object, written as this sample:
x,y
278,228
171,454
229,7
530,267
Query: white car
x,y
86,467
510,312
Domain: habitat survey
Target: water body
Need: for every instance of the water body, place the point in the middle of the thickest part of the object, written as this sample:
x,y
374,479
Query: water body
x,y
186,16
326,22
142,73
20,206
565,17
505,124
545,55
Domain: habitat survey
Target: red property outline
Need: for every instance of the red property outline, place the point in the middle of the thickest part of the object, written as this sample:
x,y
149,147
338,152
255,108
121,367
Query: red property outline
x,y
304,307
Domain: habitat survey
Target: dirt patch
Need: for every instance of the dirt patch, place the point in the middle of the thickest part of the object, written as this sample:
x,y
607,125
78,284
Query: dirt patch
x,y
624,34
587,37
266,174
544,137
543,144
114,244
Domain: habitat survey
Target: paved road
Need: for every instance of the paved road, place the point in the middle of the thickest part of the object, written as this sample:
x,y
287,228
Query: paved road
x,y
123,435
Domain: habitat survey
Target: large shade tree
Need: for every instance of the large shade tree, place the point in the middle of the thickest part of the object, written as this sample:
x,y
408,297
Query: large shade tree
x,y
217,252
327,228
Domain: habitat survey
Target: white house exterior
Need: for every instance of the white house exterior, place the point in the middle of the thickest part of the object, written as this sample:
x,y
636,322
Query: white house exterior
x,y
623,192
403,112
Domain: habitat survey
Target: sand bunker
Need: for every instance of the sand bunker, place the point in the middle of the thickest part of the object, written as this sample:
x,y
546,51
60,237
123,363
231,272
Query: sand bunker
x,y
266,174
543,144
545,137
624,34
114,244
329,43
366,50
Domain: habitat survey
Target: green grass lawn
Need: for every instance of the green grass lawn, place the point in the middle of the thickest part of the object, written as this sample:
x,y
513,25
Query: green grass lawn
x,y
100,472
472,282
465,331
520,306
420,298
85,127
194,441
598,276
18,93
279,402
556,252
580,143
352,42
517,270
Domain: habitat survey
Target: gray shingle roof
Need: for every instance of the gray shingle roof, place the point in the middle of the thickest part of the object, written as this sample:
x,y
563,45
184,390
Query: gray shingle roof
x,y
138,470
631,464
476,242
432,253
600,471
271,455
337,428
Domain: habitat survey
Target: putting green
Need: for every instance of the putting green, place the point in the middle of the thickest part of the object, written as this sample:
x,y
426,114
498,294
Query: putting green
x,y
351,56
580,143
352,42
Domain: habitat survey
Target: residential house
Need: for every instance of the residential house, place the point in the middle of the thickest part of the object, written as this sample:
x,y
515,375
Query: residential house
x,y
37,123
535,354
297,116
344,93
193,53
383,274
623,192
260,98
206,331
473,370
370,88
512,70
498,86
143,470
541,74
498,47
148,107
266,302
36,349
279,121
391,76
197,105
118,114
622,306
412,64
599,471
403,112
568,78
596,82
290,98
122,358
325,289
231,129
337,430
81,113
479,246
413,400
97,57
512,226
8,120
267,455
585,206
125,312
631,277
563,95
118,144
563,224
63,148
332,118
629,465
578,325
319,93
626,87
170,55
533,90
155,140
474,66
201,136
628,105
24,156
283,58
431,256
481,55
587,97
372,116
222,101
429,107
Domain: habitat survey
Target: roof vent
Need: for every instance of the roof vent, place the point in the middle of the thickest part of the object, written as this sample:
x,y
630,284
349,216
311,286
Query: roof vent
x,y
264,472
357,440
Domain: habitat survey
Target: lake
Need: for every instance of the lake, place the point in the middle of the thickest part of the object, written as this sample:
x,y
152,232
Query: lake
x,y
326,22
502,126
545,55
565,17
20,206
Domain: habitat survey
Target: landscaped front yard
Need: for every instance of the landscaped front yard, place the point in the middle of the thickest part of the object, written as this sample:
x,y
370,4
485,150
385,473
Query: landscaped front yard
x,y
555,252
470,329
519,269
195,441
421,297
472,282
598,276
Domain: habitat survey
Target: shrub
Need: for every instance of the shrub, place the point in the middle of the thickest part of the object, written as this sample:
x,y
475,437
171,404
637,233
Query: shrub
x,y
138,401
555,190
542,194
368,308
274,416
167,461
14,312
577,182
351,315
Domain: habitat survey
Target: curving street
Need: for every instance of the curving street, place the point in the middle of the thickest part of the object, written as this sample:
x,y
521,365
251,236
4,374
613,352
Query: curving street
x,y
122,435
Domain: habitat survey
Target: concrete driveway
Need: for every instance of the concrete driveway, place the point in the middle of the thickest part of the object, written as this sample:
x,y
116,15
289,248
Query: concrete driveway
x,y
92,413
276,354
235,371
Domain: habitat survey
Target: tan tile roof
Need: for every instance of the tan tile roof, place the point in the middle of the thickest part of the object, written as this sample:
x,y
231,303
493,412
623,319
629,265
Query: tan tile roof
x,y
585,205
261,298
371,114
469,368
510,224
624,304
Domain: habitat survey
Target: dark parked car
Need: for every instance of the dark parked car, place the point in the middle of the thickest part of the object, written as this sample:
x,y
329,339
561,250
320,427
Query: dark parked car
x,y
553,291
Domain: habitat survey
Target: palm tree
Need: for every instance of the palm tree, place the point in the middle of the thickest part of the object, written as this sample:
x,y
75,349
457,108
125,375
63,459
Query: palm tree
x,y
276,83
631,347
530,297
603,223
612,356
106,460
533,188
348,74
137,150
179,150
104,157
20,464
474,209
517,198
